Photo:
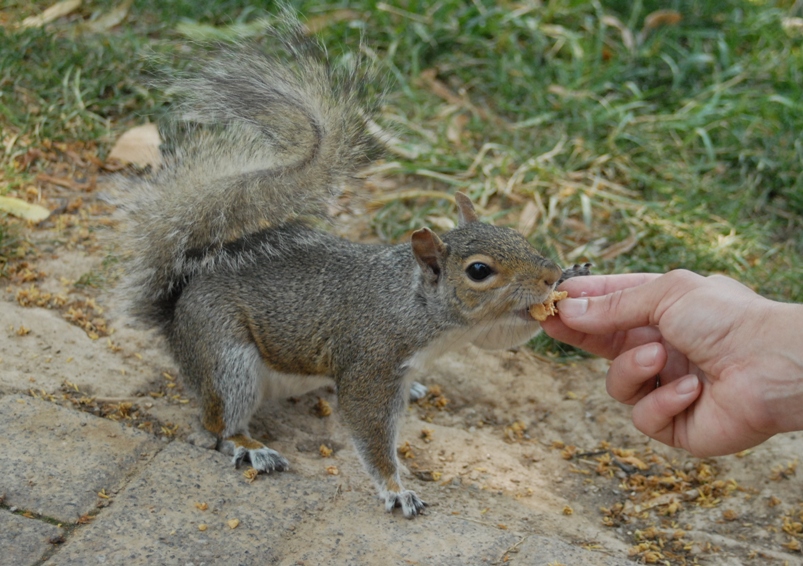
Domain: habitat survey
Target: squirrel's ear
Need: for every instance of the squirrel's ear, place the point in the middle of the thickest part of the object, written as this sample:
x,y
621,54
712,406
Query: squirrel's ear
x,y
466,209
429,251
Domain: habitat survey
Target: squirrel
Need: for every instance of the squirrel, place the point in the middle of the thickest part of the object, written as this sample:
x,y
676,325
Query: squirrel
x,y
223,258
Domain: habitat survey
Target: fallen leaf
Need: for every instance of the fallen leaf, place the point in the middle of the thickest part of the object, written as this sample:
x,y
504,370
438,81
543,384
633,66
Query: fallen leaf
x,y
139,146
662,18
110,19
619,248
316,24
53,13
22,209
454,131
528,219
633,461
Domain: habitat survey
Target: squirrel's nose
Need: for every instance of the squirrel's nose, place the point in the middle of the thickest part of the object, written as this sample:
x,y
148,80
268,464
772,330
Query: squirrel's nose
x,y
553,273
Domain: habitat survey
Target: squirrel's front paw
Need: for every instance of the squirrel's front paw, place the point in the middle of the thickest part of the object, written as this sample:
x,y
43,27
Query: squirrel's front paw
x,y
409,502
576,270
418,391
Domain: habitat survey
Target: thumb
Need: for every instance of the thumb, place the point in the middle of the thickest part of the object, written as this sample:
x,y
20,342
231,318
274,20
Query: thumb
x,y
628,308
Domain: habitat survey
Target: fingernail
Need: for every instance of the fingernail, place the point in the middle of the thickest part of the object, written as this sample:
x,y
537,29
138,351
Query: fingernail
x,y
573,307
687,385
646,355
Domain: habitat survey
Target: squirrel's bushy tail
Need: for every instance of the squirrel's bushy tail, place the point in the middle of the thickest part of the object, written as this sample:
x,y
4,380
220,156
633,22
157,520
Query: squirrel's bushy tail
x,y
279,133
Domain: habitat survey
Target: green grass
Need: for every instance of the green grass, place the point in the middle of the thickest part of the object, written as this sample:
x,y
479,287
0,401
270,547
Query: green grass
x,y
683,141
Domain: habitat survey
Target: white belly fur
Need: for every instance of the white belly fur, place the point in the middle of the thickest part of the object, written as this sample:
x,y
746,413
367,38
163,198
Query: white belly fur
x,y
277,385
499,334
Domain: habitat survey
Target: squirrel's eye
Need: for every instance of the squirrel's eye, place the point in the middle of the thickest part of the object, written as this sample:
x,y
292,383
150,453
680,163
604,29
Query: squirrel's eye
x,y
478,271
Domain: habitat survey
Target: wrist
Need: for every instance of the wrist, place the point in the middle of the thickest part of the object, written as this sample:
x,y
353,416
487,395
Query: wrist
x,y
781,367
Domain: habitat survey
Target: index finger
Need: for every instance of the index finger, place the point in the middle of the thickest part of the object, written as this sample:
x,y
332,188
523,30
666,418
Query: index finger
x,y
597,285
627,307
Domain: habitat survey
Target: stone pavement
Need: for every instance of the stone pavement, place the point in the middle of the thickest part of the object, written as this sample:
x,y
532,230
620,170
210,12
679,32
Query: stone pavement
x,y
82,490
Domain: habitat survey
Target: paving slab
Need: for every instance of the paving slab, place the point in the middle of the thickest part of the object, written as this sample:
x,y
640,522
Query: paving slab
x,y
160,518
56,460
356,531
545,551
24,541
54,351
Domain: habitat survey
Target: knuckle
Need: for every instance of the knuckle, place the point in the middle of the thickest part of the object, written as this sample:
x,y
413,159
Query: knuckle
x,y
612,303
683,277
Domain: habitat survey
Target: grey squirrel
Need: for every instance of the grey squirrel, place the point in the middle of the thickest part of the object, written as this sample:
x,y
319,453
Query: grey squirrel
x,y
254,302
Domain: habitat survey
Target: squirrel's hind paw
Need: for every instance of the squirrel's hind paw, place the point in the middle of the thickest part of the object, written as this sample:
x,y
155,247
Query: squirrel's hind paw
x,y
262,459
243,448
409,502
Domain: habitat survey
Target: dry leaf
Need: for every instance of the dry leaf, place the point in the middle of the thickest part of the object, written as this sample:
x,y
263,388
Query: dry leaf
x,y
627,35
529,217
53,13
619,248
633,461
427,475
25,210
792,26
139,146
454,131
110,19
429,79
251,474
317,23
662,18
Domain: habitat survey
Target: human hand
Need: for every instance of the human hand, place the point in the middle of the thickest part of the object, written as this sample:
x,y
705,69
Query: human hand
x,y
730,362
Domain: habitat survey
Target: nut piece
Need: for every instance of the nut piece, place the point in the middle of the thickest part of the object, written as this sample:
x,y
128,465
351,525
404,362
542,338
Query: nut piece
x,y
541,311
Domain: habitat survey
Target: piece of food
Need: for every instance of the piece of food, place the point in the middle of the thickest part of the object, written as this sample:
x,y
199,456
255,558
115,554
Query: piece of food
x,y
541,311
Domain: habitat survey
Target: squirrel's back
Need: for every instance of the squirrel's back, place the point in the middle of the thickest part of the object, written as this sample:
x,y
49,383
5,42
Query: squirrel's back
x,y
274,135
